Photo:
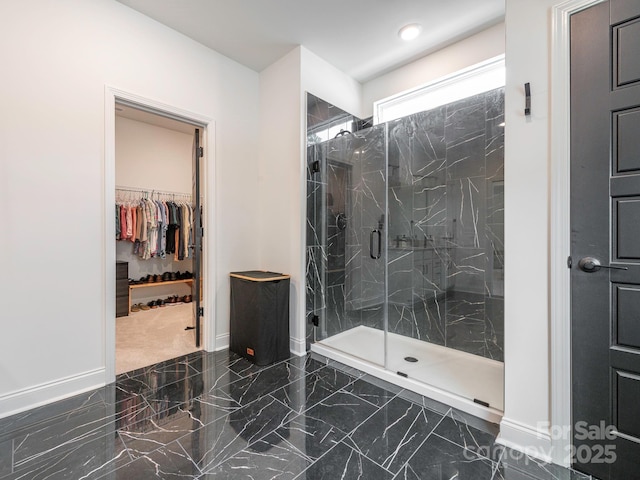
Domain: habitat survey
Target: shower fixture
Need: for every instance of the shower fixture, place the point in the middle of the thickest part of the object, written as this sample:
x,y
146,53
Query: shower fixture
x,y
342,132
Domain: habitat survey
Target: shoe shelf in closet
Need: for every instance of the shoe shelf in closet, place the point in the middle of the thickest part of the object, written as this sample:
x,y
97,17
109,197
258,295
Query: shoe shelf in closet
x,y
188,281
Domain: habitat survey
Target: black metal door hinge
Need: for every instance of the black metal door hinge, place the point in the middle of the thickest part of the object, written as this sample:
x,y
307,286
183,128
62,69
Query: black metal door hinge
x,y
569,262
201,311
315,320
315,167
201,152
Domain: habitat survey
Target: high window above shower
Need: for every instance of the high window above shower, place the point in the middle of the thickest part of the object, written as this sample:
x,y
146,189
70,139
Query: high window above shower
x,y
474,80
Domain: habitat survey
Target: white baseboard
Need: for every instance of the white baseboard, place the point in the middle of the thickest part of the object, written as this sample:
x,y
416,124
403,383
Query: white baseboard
x,y
298,347
222,342
27,398
527,439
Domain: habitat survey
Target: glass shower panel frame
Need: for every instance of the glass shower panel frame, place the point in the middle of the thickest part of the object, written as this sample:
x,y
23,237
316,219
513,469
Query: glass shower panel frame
x,y
353,199
409,246
315,282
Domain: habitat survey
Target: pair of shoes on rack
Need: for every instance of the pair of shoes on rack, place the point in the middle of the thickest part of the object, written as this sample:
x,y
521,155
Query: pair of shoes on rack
x,y
171,300
163,277
139,306
170,276
154,278
156,303
179,299
181,276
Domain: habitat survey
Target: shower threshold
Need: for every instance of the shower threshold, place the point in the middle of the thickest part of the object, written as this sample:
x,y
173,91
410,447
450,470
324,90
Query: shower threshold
x,y
449,376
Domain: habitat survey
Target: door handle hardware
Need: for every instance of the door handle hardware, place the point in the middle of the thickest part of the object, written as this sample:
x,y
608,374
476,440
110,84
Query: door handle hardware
x,y
592,264
379,254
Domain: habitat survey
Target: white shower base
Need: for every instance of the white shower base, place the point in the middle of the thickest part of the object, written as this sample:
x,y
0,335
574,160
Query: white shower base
x,y
443,374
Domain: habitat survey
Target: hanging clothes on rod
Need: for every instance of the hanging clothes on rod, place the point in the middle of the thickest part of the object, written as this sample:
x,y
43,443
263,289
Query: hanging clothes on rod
x,y
157,223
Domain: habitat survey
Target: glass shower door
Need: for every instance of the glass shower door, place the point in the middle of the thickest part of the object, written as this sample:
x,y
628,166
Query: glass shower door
x,y
352,224
418,246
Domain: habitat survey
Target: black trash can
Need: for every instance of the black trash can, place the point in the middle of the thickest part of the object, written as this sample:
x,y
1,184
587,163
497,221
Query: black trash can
x,y
259,323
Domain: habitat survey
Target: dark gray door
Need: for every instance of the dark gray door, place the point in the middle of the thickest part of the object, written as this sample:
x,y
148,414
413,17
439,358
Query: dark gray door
x,y
605,230
197,235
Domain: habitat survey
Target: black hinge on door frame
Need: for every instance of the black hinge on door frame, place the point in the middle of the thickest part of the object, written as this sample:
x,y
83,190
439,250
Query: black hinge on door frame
x,y
201,312
315,320
569,262
200,152
315,167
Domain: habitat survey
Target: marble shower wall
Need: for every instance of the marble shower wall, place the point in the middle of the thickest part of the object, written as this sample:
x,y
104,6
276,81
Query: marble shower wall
x,y
444,227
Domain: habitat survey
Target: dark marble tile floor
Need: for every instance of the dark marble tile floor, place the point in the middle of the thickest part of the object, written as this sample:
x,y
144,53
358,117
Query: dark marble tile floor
x,y
215,415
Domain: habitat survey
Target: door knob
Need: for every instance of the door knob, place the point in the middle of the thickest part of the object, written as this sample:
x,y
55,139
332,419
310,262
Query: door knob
x,y
592,264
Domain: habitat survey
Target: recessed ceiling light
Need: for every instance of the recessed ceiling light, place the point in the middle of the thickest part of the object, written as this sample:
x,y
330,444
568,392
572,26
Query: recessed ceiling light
x,y
409,32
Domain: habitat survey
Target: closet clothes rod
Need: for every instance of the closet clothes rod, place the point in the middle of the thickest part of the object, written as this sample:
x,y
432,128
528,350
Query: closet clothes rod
x,y
153,194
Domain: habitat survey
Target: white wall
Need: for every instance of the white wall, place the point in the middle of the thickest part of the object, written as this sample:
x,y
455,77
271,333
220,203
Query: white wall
x,y
527,146
477,48
152,157
283,87
281,195
56,59
330,84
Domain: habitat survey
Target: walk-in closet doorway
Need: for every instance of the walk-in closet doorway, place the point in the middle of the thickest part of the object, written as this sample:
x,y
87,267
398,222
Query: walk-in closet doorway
x,y
158,174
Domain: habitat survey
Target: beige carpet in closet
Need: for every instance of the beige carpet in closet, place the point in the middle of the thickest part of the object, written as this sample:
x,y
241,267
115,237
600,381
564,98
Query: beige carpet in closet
x,y
151,336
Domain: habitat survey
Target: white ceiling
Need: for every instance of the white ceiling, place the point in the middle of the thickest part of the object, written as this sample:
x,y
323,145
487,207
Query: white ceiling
x,y
359,37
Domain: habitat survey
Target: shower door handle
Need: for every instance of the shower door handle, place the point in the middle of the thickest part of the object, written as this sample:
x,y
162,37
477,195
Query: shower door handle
x,y
371,235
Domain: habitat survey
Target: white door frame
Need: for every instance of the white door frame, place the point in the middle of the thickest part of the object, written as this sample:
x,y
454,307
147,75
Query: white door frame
x,y
209,208
560,226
